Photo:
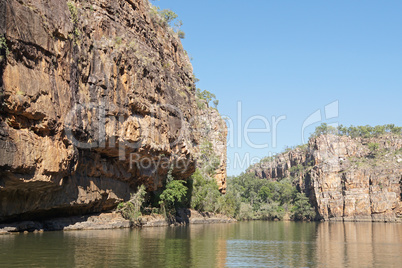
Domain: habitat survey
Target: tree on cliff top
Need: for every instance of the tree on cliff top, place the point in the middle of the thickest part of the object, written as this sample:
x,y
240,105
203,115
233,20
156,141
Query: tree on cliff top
x,y
325,129
357,131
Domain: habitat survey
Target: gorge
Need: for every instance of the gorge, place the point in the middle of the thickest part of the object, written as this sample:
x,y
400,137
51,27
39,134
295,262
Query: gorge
x,y
345,178
99,97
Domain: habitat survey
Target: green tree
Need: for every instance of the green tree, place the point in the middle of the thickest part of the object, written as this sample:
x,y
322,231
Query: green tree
x,y
325,129
205,193
342,130
379,130
173,194
168,15
302,209
270,211
245,212
265,193
216,102
228,204
205,95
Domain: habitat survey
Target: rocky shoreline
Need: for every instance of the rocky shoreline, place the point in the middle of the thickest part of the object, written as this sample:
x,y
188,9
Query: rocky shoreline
x,y
111,220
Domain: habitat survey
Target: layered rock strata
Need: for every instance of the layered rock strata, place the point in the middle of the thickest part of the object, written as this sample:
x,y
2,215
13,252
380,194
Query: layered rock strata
x,y
97,97
345,178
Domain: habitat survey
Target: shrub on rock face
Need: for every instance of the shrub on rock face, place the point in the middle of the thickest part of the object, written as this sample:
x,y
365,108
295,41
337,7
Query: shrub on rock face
x,y
373,147
131,210
168,15
181,34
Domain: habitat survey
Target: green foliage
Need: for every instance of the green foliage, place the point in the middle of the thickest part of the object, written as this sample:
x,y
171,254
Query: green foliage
x,y
73,11
358,131
207,96
131,209
3,45
265,193
118,40
373,147
302,209
265,199
208,160
196,80
205,193
168,15
324,129
181,34
200,104
246,212
174,193
296,169
216,102
302,147
74,18
287,149
228,204
177,25
268,159
270,211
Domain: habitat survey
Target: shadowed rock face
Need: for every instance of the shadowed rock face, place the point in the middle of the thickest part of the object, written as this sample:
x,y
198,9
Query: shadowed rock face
x,y
344,179
97,97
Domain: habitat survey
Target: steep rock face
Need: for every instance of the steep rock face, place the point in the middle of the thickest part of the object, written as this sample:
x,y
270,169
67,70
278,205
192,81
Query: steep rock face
x,y
278,167
97,97
213,132
344,179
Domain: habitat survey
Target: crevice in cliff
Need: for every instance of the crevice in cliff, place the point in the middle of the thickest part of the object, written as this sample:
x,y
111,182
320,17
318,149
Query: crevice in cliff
x,y
400,195
32,52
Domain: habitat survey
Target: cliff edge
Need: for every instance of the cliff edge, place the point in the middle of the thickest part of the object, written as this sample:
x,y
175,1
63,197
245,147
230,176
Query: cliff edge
x,y
97,98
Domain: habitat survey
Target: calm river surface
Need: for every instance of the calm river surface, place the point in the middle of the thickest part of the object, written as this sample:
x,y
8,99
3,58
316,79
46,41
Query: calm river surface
x,y
244,244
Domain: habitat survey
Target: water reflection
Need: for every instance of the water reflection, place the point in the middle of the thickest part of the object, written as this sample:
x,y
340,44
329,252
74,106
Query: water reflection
x,y
359,244
257,244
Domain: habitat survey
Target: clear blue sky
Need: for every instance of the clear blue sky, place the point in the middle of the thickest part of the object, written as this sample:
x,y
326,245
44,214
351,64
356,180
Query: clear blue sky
x,y
291,58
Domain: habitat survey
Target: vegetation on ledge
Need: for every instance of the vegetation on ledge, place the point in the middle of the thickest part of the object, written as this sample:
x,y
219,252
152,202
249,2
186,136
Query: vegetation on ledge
x,y
357,131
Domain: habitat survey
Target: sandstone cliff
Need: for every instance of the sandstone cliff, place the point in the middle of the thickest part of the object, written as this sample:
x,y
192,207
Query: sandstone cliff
x,y
97,97
212,154
345,178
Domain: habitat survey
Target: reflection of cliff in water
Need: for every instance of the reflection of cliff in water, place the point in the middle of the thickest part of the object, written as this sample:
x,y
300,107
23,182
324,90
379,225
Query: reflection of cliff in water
x,y
359,244
246,244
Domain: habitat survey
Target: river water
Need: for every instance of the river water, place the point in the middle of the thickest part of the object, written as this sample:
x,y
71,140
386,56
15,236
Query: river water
x,y
244,244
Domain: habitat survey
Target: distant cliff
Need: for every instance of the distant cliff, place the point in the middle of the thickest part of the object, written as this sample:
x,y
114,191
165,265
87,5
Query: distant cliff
x,y
350,179
97,98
